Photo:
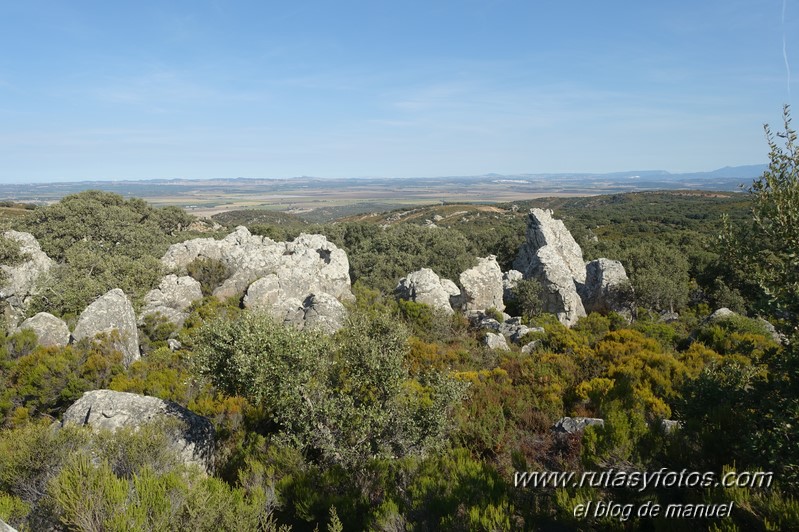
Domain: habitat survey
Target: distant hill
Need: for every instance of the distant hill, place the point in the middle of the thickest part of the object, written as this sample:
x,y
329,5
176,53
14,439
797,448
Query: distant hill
x,y
318,199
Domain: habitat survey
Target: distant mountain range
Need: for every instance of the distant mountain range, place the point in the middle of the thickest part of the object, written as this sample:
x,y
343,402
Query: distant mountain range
x,y
301,194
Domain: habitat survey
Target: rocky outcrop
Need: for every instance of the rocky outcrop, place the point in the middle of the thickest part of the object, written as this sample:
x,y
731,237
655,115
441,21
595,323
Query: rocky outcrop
x,y
276,276
544,230
191,435
606,288
5,527
425,286
482,286
172,297
570,287
50,331
496,341
22,280
107,314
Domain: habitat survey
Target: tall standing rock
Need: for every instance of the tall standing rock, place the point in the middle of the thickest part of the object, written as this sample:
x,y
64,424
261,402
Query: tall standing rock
x,y
482,285
559,292
552,256
111,312
22,280
544,230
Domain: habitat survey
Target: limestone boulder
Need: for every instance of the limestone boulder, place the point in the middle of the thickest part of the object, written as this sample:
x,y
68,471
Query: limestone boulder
x,y
482,286
496,341
425,286
172,297
571,425
606,287
514,329
190,435
263,294
111,313
323,313
720,315
509,280
22,280
50,330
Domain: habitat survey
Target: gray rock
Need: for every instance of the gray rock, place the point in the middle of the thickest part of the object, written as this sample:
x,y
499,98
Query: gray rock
x,y
772,331
721,314
292,311
513,329
482,285
669,317
606,287
50,331
5,527
509,280
570,425
496,341
425,286
455,296
552,256
263,294
192,439
110,312
530,347
172,297
173,344
23,280
543,230
324,313
307,265
669,425
235,285
488,323
559,291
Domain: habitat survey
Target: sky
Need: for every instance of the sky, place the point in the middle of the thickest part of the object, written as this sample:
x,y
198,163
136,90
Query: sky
x,y
199,89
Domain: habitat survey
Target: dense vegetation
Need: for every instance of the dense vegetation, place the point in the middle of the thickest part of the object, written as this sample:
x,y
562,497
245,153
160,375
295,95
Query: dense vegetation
x,y
403,420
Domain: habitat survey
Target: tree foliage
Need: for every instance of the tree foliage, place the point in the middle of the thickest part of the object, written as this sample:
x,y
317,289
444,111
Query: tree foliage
x,y
764,254
349,399
101,241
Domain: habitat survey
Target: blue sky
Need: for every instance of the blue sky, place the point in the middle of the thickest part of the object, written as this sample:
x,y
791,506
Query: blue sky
x,y
205,89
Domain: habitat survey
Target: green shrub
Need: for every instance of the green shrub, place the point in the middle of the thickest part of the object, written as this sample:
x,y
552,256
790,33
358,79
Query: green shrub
x,y
210,273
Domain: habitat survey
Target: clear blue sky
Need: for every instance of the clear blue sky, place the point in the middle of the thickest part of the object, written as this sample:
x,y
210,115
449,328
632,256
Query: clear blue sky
x,y
204,89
